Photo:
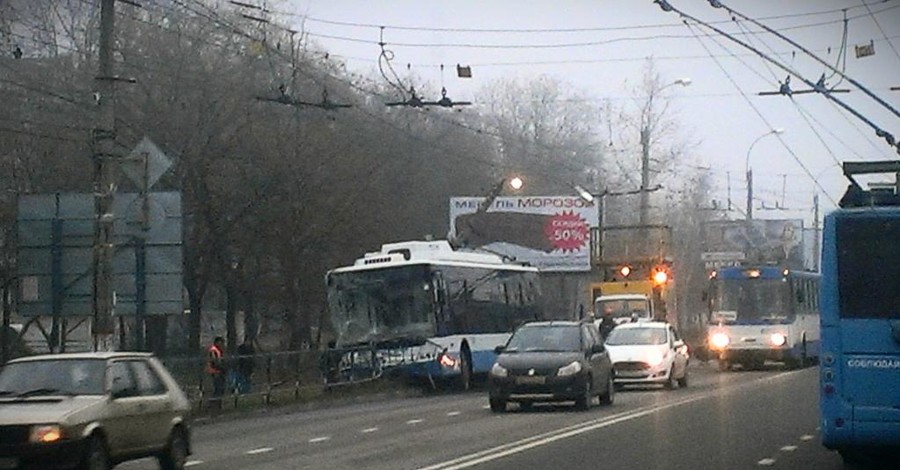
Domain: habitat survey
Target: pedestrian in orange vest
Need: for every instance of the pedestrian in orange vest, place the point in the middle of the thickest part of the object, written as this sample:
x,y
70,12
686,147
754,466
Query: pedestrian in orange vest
x,y
215,367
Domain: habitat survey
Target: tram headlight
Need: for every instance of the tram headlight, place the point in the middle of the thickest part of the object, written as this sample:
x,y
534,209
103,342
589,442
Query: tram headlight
x,y
499,371
719,340
777,339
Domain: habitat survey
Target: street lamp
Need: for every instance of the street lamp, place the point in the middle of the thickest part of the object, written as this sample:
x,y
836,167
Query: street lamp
x,y
775,131
646,125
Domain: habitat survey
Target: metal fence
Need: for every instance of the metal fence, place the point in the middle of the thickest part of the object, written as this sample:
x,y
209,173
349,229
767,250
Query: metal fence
x,y
258,379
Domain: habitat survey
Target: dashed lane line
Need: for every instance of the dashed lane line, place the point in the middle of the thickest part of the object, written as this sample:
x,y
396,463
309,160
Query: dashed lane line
x,y
415,421
806,437
369,430
319,439
766,462
788,448
453,413
261,450
191,463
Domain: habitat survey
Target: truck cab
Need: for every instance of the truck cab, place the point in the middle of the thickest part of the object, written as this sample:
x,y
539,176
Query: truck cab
x,y
625,308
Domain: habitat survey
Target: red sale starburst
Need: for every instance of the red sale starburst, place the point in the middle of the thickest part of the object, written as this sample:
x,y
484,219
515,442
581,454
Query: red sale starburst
x,y
567,231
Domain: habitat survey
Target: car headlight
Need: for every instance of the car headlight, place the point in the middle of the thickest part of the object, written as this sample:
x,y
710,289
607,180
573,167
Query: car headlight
x,y
778,339
719,340
571,369
655,358
499,371
45,433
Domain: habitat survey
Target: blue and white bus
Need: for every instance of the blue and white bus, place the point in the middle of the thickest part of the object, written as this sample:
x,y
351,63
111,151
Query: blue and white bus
x,y
427,310
759,313
859,375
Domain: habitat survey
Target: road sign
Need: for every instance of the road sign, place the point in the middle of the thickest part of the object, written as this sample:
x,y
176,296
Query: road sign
x,y
146,159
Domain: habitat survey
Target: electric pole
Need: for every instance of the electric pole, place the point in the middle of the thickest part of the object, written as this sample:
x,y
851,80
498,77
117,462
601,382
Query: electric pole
x,y
645,174
103,139
816,232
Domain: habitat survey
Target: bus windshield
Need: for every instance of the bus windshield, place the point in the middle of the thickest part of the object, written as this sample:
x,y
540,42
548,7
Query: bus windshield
x,y
750,300
869,267
382,304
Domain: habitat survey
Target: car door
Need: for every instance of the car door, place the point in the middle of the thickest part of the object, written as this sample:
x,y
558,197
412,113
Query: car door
x,y
123,433
600,363
675,347
155,407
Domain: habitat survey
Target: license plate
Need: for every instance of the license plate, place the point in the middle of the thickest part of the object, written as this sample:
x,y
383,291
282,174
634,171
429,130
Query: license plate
x,y
8,462
530,380
629,374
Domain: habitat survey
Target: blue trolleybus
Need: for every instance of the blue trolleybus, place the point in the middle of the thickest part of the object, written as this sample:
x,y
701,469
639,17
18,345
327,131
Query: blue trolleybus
x,y
759,313
859,376
425,310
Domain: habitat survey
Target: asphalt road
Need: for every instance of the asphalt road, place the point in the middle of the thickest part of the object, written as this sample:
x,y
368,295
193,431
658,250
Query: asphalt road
x,y
737,420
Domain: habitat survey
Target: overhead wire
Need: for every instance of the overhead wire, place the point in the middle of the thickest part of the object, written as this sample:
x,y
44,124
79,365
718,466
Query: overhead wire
x,y
761,115
878,25
533,30
801,110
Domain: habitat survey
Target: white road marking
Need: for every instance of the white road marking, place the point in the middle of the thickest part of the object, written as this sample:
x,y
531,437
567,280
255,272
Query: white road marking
x,y
368,430
415,421
522,445
191,463
766,462
453,413
486,407
319,439
261,450
788,448
806,437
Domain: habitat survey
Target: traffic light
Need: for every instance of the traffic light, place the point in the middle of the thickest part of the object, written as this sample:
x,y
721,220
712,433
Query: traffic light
x,y
660,275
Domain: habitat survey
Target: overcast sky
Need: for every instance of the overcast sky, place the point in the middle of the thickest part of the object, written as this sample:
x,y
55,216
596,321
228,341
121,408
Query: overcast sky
x,y
600,46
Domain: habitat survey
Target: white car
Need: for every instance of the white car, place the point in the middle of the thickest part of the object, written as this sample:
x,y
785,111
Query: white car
x,y
648,353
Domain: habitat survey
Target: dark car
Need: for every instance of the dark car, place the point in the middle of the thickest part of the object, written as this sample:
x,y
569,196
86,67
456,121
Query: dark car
x,y
552,361
91,411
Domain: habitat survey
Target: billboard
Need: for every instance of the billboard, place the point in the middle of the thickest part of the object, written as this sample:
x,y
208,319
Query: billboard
x,y
55,254
735,242
549,232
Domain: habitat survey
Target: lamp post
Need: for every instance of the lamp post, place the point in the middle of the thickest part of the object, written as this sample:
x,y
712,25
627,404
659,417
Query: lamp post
x,y
646,127
777,130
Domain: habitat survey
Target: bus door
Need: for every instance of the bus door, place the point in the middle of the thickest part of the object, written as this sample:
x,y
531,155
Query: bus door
x,y
868,324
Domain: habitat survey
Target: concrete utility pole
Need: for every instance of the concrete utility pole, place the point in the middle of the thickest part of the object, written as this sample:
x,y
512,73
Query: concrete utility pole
x,y
816,232
645,175
104,135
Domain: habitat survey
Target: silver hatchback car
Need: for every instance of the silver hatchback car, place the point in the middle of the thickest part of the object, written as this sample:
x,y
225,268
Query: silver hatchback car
x,y
91,411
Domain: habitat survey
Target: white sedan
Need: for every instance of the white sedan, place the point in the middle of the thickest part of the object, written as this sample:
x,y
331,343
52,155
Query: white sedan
x,y
648,353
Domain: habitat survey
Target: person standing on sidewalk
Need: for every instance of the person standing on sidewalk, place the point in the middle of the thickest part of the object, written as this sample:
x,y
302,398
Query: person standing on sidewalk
x,y
215,368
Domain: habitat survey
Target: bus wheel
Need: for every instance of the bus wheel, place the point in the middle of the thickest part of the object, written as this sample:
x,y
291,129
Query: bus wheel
x,y
465,369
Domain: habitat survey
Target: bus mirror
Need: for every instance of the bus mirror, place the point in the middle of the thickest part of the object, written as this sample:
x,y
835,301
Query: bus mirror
x,y
499,349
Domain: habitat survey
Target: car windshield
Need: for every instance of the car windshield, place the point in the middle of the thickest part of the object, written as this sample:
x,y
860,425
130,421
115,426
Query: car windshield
x,y
57,376
555,338
636,336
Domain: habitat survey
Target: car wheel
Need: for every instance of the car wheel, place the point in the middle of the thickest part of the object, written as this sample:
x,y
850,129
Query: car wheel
x,y
96,457
498,405
671,383
583,402
175,454
683,381
610,395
